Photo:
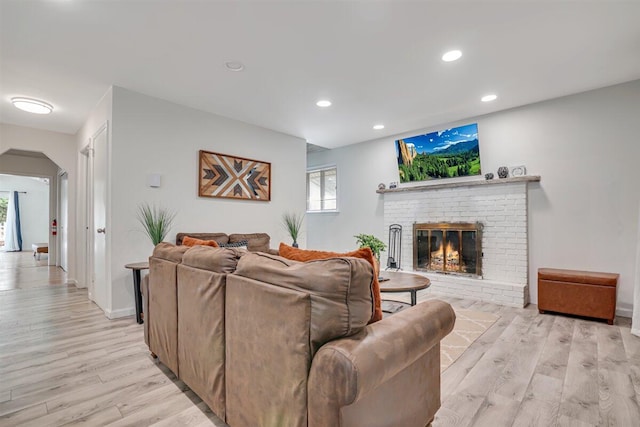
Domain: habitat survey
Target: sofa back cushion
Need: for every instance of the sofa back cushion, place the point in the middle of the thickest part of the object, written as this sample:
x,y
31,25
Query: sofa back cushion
x,y
257,242
169,252
218,260
297,254
218,237
339,290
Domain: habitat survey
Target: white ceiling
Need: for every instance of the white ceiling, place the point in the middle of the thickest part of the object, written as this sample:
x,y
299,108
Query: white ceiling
x,y
378,62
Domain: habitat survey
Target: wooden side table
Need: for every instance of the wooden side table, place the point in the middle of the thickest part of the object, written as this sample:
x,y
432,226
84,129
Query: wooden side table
x,y
404,282
137,267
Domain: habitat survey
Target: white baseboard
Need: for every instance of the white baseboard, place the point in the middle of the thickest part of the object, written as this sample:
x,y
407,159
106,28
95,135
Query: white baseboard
x,y
72,281
636,332
624,312
123,312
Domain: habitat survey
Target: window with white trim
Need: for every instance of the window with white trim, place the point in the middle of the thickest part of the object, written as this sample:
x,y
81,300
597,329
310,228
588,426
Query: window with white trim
x,y
322,189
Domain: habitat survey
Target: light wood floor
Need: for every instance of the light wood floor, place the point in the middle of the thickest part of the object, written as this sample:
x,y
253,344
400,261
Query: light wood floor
x,y
20,270
62,362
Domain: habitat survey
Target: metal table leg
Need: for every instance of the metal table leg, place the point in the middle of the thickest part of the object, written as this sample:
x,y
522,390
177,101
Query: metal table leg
x,y
137,294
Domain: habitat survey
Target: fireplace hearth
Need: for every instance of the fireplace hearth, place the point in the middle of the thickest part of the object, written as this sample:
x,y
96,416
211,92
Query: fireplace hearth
x,y
448,247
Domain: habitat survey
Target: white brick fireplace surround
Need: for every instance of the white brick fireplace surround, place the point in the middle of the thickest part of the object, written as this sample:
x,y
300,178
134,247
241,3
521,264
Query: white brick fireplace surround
x,y
500,205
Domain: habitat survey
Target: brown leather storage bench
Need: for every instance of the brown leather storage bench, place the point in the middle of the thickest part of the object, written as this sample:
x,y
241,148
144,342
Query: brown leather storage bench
x,y
583,293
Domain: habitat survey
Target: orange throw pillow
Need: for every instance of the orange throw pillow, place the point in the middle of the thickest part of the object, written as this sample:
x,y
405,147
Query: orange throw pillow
x,y
190,241
296,254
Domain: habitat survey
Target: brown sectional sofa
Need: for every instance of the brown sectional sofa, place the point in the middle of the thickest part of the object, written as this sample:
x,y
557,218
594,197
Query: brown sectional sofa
x,y
266,341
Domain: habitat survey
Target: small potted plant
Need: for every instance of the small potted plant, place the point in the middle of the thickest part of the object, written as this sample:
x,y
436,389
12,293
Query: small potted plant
x,y
372,242
292,222
156,221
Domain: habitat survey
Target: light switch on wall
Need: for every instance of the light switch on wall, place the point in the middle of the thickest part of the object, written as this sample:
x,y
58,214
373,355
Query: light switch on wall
x,y
153,180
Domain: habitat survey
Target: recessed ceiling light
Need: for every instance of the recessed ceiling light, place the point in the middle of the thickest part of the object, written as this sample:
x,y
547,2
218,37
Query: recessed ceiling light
x,y
234,66
32,105
452,55
323,103
489,98
378,127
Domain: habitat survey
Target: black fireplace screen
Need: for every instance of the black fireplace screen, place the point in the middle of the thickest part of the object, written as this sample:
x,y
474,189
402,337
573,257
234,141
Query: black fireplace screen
x,y
448,248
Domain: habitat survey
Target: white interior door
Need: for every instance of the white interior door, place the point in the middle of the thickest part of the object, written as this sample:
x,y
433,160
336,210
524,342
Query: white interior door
x,y
63,204
98,231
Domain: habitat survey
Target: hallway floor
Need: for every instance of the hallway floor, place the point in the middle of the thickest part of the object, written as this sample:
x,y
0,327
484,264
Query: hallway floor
x,y
21,270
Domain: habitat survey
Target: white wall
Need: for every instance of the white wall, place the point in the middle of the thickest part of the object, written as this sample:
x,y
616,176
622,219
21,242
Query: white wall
x,y
582,215
150,135
34,225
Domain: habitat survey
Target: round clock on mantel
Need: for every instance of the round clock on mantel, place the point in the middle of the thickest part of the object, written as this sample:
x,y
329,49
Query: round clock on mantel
x,y
518,171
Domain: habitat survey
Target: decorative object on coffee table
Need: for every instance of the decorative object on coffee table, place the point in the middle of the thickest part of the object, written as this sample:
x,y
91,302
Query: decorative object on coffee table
x,y
156,221
220,175
488,176
503,172
292,222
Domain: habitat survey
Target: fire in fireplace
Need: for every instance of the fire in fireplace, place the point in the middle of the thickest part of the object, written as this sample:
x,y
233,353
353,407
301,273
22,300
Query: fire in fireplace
x,y
448,247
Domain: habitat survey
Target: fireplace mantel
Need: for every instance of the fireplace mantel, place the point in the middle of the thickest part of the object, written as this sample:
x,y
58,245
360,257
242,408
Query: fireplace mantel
x,y
439,186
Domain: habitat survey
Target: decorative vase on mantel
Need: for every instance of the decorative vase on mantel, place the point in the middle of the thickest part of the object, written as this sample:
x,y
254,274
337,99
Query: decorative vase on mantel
x,y
503,172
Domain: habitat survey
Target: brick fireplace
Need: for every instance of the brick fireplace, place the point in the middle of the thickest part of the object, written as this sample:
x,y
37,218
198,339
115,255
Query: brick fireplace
x,y
496,212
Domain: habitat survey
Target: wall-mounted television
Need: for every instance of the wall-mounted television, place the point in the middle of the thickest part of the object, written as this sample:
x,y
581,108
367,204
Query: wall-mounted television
x,y
448,153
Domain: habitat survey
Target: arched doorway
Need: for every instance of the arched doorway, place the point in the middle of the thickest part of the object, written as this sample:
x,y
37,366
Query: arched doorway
x,y
32,180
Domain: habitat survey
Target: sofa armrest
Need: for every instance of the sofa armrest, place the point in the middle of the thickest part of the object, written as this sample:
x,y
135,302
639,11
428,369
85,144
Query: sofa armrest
x,y
345,370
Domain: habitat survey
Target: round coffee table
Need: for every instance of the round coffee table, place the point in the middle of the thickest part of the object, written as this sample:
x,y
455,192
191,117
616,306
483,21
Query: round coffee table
x,y
403,282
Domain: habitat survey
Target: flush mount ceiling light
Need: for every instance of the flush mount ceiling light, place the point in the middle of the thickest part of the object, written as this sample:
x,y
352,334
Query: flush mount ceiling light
x,y
378,127
32,105
234,66
489,98
452,55
323,103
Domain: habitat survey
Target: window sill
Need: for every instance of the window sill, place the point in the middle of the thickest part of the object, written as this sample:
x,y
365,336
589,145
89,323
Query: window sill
x,y
324,212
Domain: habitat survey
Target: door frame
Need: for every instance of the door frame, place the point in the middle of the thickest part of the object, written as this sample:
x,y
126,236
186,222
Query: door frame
x,y
89,224
63,226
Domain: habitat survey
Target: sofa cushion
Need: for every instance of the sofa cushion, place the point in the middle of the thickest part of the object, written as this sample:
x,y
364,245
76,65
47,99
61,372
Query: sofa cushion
x,y
257,242
241,244
169,252
339,289
218,237
296,254
192,241
219,260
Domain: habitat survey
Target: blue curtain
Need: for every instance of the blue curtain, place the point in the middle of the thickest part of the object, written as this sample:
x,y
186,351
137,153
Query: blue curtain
x,y
18,228
13,232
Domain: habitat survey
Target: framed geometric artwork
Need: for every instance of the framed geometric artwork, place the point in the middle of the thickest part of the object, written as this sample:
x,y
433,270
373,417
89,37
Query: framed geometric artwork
x,y
221,175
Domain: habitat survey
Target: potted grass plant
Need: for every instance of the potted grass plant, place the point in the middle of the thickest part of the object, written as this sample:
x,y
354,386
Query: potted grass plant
x,y
292,222
156,221
372,242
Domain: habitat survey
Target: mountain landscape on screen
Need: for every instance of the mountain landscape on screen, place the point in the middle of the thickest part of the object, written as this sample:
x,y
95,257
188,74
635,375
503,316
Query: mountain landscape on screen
x,y
445,154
